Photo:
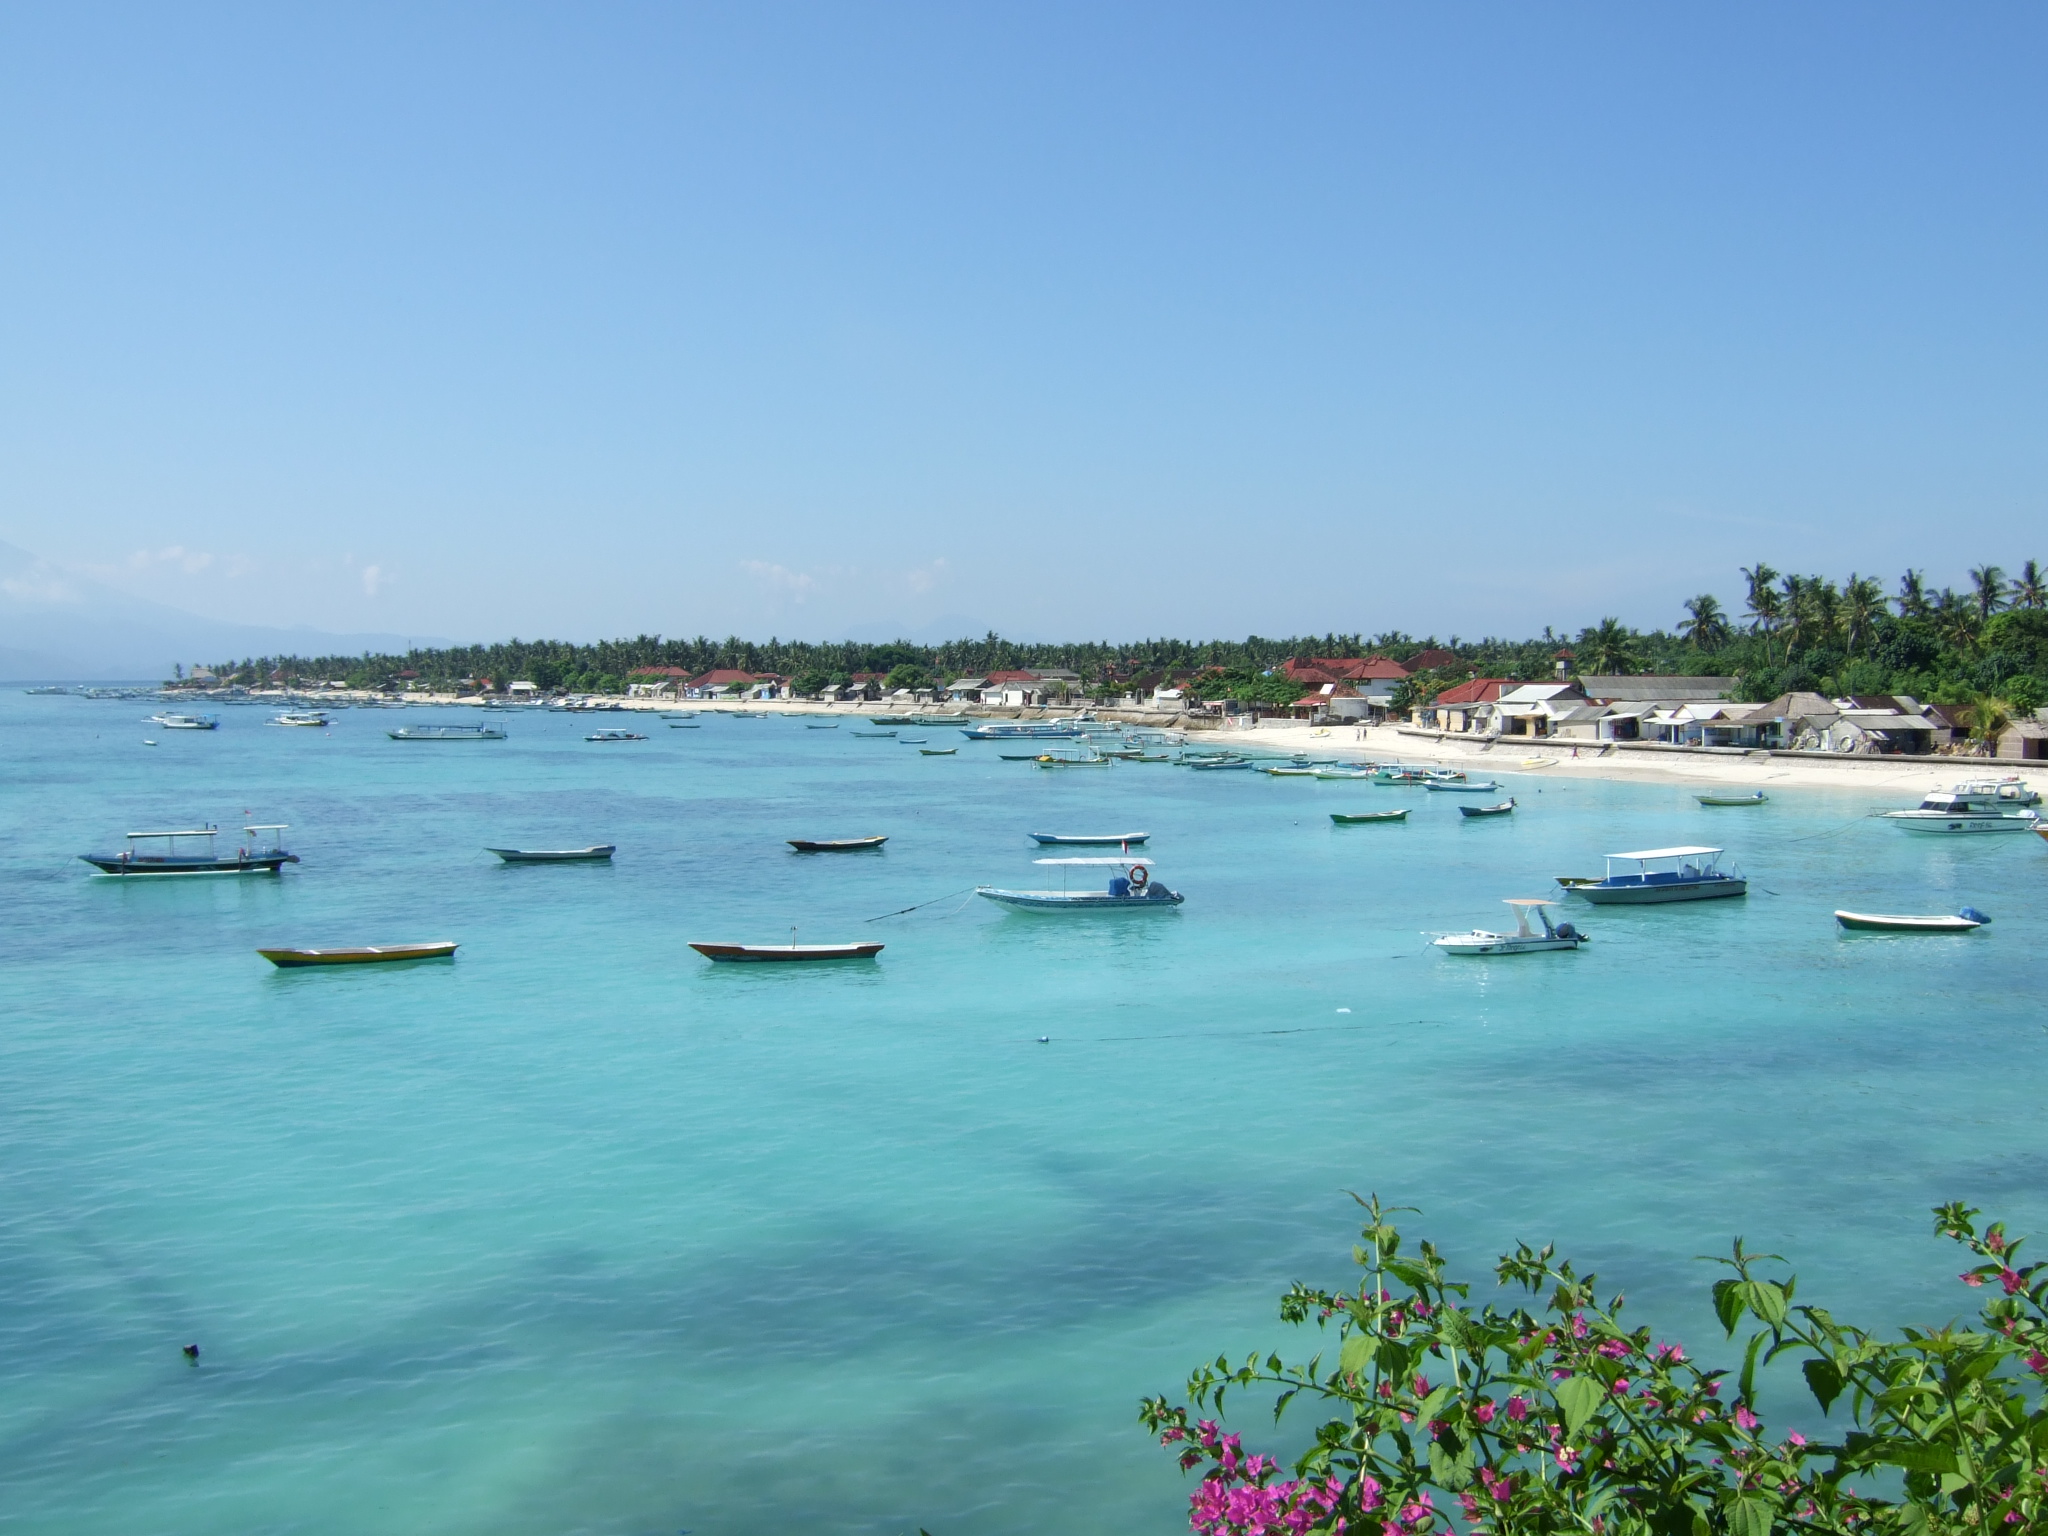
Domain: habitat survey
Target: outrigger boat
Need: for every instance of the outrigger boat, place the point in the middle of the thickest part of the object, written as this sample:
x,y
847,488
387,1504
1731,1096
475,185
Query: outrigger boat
x,y
1459,787
1085,840
615,735
365,954
1132,887
447,733
590,855
243,861
812,725
1754,798
1965,921
1980,805
1360,818
773,952
1094,759
1692,876
835,844
1522,941
1506,807
1011,730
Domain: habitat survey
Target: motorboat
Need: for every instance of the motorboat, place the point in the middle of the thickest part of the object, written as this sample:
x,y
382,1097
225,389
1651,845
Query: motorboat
x,y
1756,797
1966,921
615,735
447,733
1661,875
1360,818
774,952
1345,773
158,854
836,844
363,954
1505,808
305,717
1977,805
172,721
1459,787
1011,730
1130,887
596,853
1522,941
1090,840
1094,759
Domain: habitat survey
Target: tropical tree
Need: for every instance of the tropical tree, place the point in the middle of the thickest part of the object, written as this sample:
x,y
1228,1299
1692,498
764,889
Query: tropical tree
x,y
1765,608
1607,648
1988,718
2030,588
1987,583
1706,627
1955,618
1913,602
1863,603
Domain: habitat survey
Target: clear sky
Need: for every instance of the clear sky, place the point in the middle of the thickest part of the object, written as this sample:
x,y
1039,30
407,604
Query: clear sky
x,y
1065,320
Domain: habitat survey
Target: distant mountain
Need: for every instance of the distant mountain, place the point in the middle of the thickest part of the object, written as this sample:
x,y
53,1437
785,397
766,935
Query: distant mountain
x,y
56,626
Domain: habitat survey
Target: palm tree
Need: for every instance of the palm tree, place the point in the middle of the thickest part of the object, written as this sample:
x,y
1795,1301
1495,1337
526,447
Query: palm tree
x,y
1955,618
1913,602
2029,589
1862,605
1707,628
1607,649
1794,612
1764,607
1988,718
1989,582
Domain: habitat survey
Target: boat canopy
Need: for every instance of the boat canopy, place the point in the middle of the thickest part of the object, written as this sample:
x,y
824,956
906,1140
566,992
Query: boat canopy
x,y
1528,901
1667,853
1120,863
195,832
277,827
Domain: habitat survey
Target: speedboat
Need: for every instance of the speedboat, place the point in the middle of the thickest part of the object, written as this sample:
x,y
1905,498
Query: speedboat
x,y
446,733
1522,941
1978,805
1132,887
140,857
1966,921
1661,875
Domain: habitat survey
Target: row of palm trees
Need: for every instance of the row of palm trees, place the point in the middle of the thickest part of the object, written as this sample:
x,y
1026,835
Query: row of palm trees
x,y
1802,611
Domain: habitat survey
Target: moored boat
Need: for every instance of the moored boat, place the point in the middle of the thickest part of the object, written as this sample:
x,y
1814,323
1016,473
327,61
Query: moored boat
x,y
786,952
302,717
1524,940
1011,730
1130,888
1965,921
1360,818
1693,874
1756,797
875,735
363,954
250,859
1977,805
835,844
172,721
447,733
1506,807
615,735
591,855
1458,786
1090,840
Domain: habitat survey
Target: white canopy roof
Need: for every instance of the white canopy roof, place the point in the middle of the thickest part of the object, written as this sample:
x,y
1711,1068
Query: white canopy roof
x,y
1125,862
1665,853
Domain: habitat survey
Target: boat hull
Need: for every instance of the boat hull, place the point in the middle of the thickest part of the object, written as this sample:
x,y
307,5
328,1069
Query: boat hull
x,y
1487,810
1079,901
1891,922
772,953
593,855
1949,825
446,733
1755,799
1658,893
835,845
115,864
368,954
1077,840
1480,943
1360,818
1437,787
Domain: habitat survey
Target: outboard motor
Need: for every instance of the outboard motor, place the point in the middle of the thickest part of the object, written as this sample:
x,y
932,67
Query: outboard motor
x,y
1566,931
1973,915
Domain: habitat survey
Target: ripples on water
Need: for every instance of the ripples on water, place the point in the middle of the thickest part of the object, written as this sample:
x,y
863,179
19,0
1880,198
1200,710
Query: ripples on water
x,y
579,1233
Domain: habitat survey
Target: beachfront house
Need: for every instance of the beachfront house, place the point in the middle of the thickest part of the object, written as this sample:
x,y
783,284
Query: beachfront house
x,y
649,682
1653,707
1813,722
1532,709
1465,707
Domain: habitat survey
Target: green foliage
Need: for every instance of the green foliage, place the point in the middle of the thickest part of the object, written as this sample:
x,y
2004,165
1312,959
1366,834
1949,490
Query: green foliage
x,y
1557,1417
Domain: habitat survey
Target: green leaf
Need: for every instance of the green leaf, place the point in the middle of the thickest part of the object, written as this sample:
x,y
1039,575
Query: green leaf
x,y
1729,1301
1580,1398
1767,1300
1451,1468
1747,1384
1749,1517
1824,1380
1356,1354
1913,1457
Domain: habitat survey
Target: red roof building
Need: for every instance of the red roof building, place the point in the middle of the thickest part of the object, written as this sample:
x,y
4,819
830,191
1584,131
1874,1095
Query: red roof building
x,y
659,672
1423,661
1481,690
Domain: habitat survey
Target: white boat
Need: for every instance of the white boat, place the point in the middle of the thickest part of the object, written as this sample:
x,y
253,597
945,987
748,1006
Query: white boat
x,y
1977,805
1132,887
615,735
1966,921
1693,875
1522,941
1090,839
307,717
176,722
446,733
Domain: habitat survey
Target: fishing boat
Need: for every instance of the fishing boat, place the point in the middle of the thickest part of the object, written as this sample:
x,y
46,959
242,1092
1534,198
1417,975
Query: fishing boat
x,y
303,717
1459,787
1018,757
1094,759
1966,921
365,954
1289,771
1442,775
930,719
142,855
772,952
836,844
595,853
1220,764
1979,805
686,725
447,733
1662,875
171,721
1345,773
1361,818
875,735
1755,797
936,751
812,725
1399,776
1131,887
1524,940
1088,840
1011,730
913,741
1505,808
687,714
614,735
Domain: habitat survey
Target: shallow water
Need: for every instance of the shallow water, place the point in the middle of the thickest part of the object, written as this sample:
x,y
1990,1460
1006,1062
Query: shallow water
x,y
580,1233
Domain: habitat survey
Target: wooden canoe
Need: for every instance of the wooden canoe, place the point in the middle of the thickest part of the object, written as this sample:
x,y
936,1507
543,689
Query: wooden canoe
x,y
1359,818
588,855
367,954
835,844
787,951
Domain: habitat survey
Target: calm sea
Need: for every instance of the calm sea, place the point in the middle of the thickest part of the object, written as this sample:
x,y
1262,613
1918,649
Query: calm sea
x,y
579,1233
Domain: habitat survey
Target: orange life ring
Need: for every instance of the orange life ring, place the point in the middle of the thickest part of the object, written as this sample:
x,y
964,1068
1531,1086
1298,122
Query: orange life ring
x,y
1140,877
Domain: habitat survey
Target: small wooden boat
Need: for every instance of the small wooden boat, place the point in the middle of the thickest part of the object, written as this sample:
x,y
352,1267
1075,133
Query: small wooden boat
x,y
1360,818
1965,921
913,741
1088,840
614,735
835,844
1018,757
1345,773
446,733
1289,771
685,725
1504,808
367,954
1064,760
590,855
1754,798
936,751
1459,787
875,735
812,725
787,951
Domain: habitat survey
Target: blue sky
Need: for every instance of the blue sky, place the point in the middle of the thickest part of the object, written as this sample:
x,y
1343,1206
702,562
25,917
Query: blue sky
x,y
1064,320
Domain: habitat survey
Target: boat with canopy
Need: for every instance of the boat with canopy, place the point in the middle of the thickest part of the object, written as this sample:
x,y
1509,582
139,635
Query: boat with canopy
x,y
1979,805
158,854
1524,940
1661,875
447,733
1131,887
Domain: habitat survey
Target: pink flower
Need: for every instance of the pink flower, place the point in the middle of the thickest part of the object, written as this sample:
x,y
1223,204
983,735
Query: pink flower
x,y
1422,1386
1172,1435
1713,1389
1621,1386
1579,1329
1613,1349
1368,1494
1970,1279
1671,1354
1744,1418
1796,1438
1517,1409
1567,1459
1396,1320
1993,1242
1483,1410
2010,1279
2038,1363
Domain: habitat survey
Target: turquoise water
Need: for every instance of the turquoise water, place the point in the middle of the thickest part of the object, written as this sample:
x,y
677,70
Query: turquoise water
x,y
581,1233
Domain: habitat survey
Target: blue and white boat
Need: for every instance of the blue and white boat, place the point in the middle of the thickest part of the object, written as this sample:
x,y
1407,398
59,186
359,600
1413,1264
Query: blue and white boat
x,y
446,733
170,720
1012,730
1448,787
1654,875
1980,805
1130,888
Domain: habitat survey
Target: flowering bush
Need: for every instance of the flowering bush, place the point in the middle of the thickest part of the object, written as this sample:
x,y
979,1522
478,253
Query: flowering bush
x,y
1561,1419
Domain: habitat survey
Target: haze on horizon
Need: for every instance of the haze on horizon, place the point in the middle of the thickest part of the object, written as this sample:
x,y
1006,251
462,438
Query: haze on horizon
x,y
1057,320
